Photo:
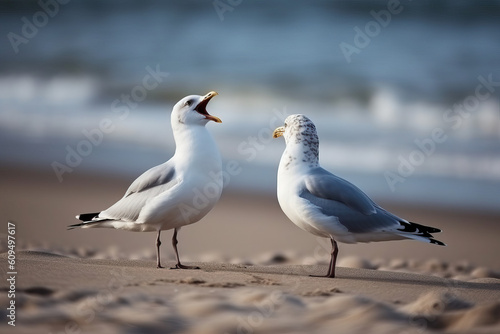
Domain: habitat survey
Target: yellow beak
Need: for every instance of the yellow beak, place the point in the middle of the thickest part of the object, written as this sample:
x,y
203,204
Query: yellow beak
x,y
279,132
209,95
213,118
201,107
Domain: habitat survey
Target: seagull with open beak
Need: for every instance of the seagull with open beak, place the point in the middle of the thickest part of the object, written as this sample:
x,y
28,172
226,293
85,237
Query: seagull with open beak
x,y
164,197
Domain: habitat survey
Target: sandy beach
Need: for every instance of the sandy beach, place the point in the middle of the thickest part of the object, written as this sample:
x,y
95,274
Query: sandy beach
x,y
254,275
67,294
240,227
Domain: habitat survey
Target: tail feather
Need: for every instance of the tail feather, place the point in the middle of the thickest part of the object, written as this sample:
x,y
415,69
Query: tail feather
x,y
87,220
87,216
420,232
437,242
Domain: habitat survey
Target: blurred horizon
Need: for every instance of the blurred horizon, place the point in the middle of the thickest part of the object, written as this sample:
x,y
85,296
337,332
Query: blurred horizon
x,y
416,102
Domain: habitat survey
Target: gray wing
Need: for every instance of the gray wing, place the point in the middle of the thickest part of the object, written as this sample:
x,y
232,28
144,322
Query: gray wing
x,y
324,184
339,198
156,176
147,186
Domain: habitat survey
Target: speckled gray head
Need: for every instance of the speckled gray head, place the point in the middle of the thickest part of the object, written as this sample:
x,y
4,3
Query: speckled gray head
x,y
300,131
297,128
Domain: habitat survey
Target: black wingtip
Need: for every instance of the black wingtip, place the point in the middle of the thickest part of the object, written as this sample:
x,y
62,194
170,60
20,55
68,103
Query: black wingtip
x,y
422,230
428,229
72,227
87,216
432,229
437,242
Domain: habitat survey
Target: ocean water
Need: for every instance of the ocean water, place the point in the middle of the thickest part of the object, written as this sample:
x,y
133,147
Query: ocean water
x,y
405,95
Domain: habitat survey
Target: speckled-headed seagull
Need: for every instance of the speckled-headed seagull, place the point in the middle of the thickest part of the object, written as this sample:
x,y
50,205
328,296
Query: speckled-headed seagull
x,y
328,206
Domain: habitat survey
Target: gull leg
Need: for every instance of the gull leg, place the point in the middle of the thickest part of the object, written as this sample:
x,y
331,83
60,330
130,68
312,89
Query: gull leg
x,y
330,265
158,244
179,265
333,261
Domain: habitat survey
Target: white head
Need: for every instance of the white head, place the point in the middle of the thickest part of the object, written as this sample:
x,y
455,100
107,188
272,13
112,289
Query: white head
x,y
192,110
302,143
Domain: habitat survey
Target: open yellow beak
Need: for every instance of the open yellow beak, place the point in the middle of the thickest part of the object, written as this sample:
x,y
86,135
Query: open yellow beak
x,y
202,107
279,132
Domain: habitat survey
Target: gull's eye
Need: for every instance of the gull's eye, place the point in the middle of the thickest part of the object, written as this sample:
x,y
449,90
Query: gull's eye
x,y
188,103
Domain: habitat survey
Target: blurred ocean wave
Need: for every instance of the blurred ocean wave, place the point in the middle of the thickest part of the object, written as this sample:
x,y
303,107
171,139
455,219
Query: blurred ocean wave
x,y
266,59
